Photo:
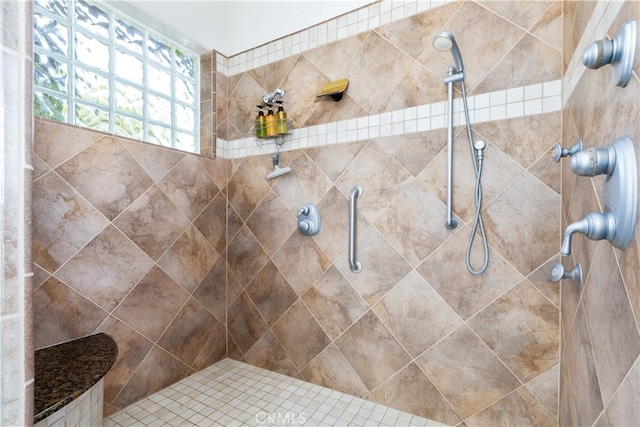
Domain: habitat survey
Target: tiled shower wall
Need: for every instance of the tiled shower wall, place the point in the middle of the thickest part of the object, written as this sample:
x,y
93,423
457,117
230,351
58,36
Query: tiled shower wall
x,y
129,240
600,365
414,330
16,338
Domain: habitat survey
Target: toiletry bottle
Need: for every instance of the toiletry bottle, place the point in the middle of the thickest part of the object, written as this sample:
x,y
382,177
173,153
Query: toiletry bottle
x,y
281,120
270,120
261,128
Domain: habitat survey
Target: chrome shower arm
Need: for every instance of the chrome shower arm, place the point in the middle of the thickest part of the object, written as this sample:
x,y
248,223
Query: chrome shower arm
x,y
271,96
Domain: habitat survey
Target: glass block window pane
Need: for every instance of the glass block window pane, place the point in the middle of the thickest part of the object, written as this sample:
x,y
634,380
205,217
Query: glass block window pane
x,y
160,109
159,80
50,107
129,67
128,126
50,34
184,64
184,90
92,51
159,135
129,36
93,67
57,7
92,86
92,18
92,117
184,116
159,52
50,73
185,141
129,99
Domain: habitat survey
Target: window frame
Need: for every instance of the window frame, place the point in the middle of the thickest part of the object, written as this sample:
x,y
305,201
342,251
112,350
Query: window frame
x,y
73,100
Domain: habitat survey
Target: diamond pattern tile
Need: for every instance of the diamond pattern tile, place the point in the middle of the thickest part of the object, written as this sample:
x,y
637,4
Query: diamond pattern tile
x,y
382,266
307,183
484,378
413,302
521,327
91,271
106,175
300,334
63,222
189,186
246,189
152,222
301,261
409,223
189,259
380,177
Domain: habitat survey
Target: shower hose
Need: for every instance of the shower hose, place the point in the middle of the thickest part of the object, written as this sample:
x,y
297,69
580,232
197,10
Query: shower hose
x,y
477,223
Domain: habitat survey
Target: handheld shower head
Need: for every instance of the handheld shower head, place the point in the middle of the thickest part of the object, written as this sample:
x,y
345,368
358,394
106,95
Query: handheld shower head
x,y
445,41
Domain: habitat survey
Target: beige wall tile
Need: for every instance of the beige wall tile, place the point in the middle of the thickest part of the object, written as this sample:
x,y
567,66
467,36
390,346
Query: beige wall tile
x,y
151,305
521,327
268,353
411,305
519,408
334,303
332,370
148,378
478,372
371,350
300,334
411,391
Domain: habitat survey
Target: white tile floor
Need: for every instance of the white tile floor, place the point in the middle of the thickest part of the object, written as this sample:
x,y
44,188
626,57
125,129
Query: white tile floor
x,y
232,393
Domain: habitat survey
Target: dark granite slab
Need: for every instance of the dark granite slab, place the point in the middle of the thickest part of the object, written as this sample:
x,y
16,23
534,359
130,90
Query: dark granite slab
x,y
65,371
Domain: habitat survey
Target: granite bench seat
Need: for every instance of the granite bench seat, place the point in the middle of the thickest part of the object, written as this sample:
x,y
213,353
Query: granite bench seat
x,y
65,371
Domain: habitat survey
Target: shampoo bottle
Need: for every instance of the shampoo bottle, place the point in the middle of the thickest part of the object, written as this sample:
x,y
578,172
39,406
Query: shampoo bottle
x,y
270,120
281,120
261,128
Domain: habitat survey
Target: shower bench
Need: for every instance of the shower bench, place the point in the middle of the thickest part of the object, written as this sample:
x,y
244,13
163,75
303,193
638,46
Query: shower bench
x,y
69,381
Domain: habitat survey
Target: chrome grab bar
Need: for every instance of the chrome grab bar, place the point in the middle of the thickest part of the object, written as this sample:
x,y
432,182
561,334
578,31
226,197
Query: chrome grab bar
x,y
450,223
356,191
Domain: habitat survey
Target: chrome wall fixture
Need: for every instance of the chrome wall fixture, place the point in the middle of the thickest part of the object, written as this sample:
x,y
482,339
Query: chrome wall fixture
x,y
559,152
354,265
618,52
309,220
617,223
272,96
558,273
443,42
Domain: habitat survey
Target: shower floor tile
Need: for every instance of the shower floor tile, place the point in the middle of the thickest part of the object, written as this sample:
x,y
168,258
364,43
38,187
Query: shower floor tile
x,y
232,393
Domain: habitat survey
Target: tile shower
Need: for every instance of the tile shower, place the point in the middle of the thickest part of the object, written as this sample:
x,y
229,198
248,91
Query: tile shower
x,y
211,264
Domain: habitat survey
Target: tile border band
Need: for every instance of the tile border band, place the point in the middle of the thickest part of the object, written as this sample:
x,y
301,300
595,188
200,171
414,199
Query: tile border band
x,y
511,103
365,18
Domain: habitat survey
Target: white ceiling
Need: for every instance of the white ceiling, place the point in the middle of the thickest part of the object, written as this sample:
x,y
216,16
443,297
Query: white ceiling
x,y
234,26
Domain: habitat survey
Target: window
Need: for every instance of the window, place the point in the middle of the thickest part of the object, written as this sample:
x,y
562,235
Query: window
x,y
95,68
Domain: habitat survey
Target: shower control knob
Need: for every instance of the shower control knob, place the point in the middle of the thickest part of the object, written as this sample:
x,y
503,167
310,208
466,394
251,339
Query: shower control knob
x,y
304,226
558,273
619,52
559,152
594,161
309,220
